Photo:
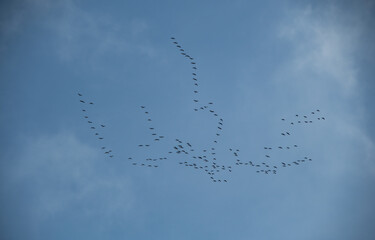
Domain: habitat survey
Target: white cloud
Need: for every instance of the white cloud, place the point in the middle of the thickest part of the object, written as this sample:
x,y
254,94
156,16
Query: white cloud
x,y
323,45
93,35
322,71
65,176
79,33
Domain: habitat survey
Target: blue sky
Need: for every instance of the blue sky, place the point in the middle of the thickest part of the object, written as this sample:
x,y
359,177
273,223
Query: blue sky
x,y
258,62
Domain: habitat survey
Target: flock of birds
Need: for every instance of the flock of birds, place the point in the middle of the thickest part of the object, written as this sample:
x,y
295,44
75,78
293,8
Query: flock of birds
x,y
205,160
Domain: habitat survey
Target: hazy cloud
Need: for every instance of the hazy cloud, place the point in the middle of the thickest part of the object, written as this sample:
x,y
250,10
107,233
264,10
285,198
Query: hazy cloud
x,y
322,71
67,175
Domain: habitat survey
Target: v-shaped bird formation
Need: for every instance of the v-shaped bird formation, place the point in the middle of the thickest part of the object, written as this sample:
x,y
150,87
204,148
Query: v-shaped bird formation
x,y
206,160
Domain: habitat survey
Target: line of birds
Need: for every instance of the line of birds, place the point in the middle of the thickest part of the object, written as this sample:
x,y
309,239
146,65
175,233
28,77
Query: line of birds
x,y
95,127
207,160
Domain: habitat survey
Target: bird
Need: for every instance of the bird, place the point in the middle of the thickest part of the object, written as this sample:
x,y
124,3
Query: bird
x,y
79,94
102,125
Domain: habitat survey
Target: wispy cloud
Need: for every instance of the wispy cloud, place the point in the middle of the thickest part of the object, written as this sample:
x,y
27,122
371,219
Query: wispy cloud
x,y
323,45
322,71
66,175
79,33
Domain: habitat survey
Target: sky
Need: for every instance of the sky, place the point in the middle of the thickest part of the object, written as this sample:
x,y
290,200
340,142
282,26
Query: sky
x,y
258,62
